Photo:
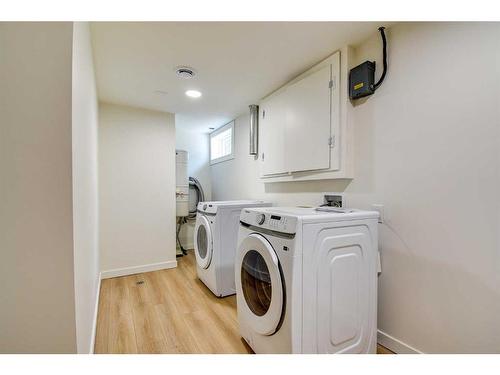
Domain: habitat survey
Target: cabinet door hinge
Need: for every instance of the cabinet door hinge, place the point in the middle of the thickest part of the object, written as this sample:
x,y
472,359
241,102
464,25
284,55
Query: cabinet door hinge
x,y
331,84
331,141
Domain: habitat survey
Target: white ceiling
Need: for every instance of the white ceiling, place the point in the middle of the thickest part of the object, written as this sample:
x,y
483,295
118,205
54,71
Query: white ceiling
x,y
237,63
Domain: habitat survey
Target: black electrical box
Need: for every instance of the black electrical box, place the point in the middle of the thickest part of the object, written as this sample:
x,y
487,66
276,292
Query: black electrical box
x,y
362,80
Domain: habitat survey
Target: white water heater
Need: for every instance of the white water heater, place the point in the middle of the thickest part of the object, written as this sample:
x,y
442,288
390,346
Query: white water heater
x,y
181,183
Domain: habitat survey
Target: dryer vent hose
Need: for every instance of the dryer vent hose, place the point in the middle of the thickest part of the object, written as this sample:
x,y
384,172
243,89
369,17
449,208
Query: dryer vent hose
x,y
200,197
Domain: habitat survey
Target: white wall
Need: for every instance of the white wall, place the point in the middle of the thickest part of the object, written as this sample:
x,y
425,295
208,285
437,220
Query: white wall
x,y
136,189
427,147
85,195
197,145
37,309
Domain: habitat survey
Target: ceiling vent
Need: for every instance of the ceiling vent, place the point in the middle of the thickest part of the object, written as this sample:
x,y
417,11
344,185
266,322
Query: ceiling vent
x,y
185,72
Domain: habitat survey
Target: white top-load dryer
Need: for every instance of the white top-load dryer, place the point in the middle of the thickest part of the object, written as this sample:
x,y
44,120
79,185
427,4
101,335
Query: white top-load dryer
x,y
306,280
215,242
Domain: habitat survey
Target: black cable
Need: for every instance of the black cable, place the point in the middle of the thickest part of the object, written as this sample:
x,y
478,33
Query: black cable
x,y
384,42
178,229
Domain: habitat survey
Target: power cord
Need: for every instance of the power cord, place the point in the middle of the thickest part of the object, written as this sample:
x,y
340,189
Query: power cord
x,y
384,42
180,221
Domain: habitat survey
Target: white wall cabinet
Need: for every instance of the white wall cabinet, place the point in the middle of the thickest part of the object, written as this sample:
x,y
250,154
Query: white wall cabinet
x,y
272,130
300,132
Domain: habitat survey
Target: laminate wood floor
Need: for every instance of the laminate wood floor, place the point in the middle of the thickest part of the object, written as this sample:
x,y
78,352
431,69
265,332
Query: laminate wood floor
x,y
167,311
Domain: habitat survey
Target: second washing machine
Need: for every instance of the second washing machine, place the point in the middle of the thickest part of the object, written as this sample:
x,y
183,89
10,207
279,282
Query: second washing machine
x,y
215,242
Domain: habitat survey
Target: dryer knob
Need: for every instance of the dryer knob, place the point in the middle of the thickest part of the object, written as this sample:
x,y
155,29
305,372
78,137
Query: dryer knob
x,y
261,218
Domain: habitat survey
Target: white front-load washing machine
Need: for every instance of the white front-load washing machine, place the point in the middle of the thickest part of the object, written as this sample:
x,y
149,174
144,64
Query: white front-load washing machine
x,y
306,280
215,242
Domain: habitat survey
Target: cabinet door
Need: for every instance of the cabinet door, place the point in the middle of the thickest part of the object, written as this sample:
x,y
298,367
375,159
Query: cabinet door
x,y
272,131
307,134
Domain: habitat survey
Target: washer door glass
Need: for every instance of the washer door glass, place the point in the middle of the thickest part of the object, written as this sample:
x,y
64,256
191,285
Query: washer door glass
x,y
259,286
203,242
256,283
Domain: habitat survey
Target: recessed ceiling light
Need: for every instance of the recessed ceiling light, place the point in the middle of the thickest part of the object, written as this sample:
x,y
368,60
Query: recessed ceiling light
x,y
193,93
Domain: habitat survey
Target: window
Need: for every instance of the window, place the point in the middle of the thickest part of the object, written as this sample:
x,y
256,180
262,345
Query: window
x,y
222,144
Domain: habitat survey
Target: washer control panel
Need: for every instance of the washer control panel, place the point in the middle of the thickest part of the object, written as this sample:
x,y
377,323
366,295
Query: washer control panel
x,y
269,220
277,221
206,207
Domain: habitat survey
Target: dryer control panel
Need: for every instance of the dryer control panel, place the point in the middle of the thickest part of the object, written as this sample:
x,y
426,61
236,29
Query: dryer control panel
x,y
269,220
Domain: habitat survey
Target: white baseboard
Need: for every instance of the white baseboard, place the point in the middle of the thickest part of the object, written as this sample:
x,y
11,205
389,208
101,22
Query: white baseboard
x,y
138,269
395,345
96,311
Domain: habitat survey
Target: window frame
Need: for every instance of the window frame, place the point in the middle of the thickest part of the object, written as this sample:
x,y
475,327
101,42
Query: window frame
x,y
215,133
